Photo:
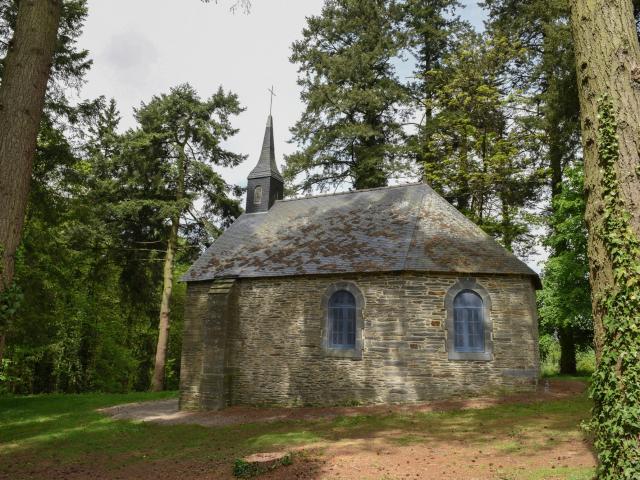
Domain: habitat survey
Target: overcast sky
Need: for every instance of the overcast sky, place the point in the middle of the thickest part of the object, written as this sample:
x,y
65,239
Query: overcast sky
x,y
158,44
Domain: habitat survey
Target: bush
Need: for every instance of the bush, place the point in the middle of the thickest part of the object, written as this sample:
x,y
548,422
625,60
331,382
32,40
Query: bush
x,y
549,355
586,362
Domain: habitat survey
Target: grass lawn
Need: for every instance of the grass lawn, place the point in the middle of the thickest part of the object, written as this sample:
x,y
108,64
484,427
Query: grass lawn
x,y
62,436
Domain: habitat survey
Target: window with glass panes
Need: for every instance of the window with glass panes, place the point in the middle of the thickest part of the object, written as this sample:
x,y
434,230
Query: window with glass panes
x,y
342,320
468,318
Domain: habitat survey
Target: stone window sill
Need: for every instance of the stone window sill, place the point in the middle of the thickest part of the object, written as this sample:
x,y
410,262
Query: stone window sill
x,y
478,356
352,353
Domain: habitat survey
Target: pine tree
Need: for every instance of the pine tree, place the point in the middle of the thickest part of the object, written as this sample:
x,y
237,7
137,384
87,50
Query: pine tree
x,y
181,135
37,44
431,31
351,130
480,142
544,71
24,80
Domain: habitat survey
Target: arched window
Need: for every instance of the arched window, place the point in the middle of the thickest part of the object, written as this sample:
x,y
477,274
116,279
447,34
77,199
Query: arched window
x,y
342,320
468,322
257,195
469,326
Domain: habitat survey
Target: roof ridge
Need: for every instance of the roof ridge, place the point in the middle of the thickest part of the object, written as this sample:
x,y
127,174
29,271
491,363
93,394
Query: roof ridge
x,y
416,221
350,192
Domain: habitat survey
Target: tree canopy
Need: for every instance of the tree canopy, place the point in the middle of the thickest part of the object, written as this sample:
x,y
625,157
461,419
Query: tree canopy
x,y
351,129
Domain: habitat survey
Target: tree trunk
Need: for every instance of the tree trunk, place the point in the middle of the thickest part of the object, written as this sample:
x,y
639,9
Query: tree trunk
x,y
506,222
2,342
157,381
568,364
27,67
608,63
608,71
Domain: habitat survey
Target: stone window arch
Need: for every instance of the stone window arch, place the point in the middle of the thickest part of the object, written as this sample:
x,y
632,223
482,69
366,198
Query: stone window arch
x,y
342,306
469,324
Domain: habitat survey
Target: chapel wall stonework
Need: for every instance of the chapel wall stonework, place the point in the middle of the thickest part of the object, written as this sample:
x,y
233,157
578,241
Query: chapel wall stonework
x,y
195,315
273,344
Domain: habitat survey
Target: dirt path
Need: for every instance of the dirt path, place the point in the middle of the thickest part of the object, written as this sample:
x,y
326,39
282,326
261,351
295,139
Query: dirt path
x,y
166,411
376,459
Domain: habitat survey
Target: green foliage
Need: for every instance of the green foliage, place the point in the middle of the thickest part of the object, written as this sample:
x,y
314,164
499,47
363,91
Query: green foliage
x,y
477,145
179,141
72,332
432,31
550,358
351,130
10,299
90,261
543,71
566,296
616,382
549,355
430,28
586,362
242,469
565,300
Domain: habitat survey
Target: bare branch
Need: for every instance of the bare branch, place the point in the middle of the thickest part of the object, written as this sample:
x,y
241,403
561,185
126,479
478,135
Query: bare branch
x,y
244,5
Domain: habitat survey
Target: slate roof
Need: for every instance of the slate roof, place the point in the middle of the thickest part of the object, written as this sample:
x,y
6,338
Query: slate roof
x,y
267,166
400,228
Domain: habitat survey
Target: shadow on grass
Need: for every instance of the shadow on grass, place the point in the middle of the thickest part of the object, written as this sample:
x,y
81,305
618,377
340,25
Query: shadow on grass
x,y
39,419
68,430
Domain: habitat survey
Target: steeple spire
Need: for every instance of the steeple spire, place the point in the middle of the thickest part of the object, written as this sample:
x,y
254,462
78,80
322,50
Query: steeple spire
x,y
265,184
267,163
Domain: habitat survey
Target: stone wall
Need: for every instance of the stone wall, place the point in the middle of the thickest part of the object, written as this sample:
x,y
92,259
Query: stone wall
x,y
195,315
273,349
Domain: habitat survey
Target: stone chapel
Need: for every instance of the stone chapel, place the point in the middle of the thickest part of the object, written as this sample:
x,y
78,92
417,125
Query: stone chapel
x,y
370,296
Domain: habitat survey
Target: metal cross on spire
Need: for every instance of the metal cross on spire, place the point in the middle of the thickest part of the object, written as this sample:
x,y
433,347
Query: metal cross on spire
x,y
273,94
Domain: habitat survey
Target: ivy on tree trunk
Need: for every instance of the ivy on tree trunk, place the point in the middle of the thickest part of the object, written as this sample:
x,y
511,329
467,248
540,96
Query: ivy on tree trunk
x,y
608,71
